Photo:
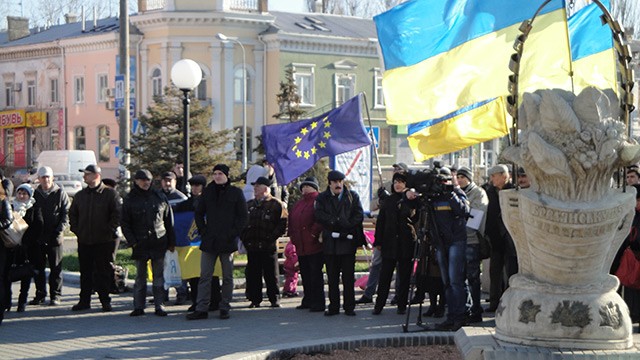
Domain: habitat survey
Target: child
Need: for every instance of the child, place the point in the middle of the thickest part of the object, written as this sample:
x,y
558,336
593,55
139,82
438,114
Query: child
x,y
291,268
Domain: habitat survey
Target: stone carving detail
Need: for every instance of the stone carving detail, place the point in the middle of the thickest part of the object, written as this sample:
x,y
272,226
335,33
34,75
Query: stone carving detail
x,y
610,315
571,145
528,311
571,313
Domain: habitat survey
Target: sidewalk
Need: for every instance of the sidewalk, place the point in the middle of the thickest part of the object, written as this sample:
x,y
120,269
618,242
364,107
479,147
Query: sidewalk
x,y
57,332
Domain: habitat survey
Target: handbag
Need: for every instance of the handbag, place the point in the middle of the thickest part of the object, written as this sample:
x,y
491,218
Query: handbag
x,y
629,270
12,236
172,273
19,272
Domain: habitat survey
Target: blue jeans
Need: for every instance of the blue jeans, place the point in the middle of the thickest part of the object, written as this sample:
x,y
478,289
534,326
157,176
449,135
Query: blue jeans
x,y
452,261
473,278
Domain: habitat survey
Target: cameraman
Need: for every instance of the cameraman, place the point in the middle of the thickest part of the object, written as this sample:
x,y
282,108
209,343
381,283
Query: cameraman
x,y
448,233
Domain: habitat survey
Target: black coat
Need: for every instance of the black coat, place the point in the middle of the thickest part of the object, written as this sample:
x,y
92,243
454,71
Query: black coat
x,y
147,223
55,212
340,215
95,215
395,227
220,215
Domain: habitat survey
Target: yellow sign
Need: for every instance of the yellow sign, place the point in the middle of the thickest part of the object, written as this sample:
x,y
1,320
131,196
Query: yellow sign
x,y
37,119
12,119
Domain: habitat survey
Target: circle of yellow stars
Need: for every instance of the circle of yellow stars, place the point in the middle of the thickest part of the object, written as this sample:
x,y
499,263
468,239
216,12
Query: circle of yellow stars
x,y
326,135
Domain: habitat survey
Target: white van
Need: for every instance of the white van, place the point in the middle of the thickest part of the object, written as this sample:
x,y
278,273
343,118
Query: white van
x,y
66,165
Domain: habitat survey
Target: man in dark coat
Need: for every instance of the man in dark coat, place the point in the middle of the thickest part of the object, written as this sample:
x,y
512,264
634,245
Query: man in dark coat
x,y
54,204
220,215
339,211
147,224
267,222
94,217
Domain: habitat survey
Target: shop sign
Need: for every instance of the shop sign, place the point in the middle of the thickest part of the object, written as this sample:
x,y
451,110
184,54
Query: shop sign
x,y
12,119
37,119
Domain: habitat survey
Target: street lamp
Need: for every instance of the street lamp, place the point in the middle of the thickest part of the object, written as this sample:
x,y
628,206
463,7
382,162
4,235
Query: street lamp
x,y
186,75
225,39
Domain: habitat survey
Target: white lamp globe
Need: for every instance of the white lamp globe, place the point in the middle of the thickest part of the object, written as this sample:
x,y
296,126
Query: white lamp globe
x,y
186,74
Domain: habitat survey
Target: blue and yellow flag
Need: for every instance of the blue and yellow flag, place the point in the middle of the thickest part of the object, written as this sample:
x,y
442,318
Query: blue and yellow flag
x,y
295,147
188,245
594,62
470,125
444,55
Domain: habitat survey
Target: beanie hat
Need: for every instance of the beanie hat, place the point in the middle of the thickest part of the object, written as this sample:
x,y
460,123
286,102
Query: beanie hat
x,y
400,177
466,172
310,181
222,167
27,188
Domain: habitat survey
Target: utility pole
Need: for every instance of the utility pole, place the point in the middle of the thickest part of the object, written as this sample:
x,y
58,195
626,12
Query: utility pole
x,y
125,118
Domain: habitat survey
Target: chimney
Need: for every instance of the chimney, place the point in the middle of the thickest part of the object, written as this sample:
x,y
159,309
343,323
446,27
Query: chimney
x,y
95,18
142,6
263,6
18,27
70,18
318,6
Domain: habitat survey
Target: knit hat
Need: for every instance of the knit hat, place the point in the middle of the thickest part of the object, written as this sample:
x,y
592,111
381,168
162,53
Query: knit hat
x,y
310,181
27,188
143,174
466,172
400,177
169,175
335,175
222,167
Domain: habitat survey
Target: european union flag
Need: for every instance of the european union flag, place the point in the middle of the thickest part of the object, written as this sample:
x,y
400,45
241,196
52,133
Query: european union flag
x,y
294,148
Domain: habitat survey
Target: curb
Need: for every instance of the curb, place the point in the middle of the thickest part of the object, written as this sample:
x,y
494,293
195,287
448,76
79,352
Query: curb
x,y
286,351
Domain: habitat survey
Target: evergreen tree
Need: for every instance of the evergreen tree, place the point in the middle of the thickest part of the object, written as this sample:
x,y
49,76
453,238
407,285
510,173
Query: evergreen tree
x,y
160,143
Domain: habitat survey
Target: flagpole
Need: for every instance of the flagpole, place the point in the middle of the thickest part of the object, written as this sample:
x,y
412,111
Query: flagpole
x,y
373,139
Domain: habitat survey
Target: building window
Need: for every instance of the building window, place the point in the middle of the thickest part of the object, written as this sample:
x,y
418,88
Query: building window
x,y
156,82
238,143
104,143
304,78
103,85
345,87
53,90
78,89
10,148
239,84
384,142
201,90
9,97
81,140
55,139
31,93
379,95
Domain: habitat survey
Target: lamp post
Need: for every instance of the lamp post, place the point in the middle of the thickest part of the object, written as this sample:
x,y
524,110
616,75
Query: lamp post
x,y
226,39
186,75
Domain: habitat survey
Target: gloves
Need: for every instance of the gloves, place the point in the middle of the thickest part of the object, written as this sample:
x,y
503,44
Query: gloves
x,y
383,193
335,235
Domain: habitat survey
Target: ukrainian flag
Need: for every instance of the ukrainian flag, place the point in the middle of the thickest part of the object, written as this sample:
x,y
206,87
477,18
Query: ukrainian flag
x,y
441,56
592,54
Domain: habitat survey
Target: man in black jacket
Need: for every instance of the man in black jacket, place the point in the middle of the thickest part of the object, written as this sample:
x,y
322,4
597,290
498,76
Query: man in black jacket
x,y
220,215
147,224
54,204
267,222
94,217
339,211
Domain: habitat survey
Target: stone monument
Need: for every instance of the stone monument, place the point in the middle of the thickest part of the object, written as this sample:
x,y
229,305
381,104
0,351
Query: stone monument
x,y
568,226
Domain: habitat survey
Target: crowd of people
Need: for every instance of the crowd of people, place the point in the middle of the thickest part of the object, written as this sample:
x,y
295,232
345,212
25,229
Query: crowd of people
x,y
325,230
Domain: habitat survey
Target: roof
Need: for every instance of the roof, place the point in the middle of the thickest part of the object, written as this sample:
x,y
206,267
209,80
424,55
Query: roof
x,y
64,31
322,24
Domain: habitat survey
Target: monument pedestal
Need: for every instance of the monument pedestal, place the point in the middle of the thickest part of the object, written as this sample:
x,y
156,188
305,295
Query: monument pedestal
x,y
480,343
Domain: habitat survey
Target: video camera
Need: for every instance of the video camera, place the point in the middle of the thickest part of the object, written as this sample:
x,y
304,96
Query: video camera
x,y
432,183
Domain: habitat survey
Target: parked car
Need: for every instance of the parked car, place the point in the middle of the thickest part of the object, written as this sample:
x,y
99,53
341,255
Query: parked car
x,y
20,176
71,184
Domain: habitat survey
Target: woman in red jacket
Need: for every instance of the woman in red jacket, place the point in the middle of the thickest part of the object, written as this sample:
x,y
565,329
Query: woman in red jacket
x,y
304,233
